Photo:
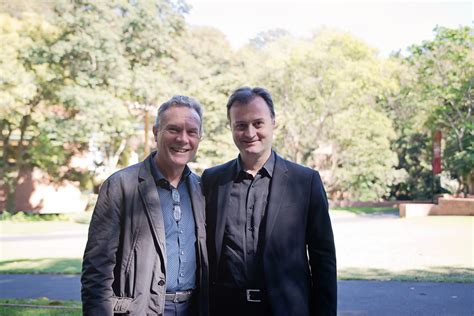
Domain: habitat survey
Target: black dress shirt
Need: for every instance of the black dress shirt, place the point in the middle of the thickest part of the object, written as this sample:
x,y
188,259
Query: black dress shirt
x,y
241,264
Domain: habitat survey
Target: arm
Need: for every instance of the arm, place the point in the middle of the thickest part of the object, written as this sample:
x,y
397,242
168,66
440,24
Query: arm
x,y
100,253
322,253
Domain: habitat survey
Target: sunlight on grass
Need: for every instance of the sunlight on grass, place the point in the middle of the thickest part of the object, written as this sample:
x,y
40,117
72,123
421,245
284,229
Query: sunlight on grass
x,y
366,210
45,265
23,307
432,274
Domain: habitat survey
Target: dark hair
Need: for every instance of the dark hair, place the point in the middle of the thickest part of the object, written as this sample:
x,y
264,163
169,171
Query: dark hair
x,y
245,95
179,100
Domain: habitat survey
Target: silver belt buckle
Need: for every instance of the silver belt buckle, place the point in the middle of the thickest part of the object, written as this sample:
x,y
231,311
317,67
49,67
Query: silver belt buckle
x,y
177,294
249,295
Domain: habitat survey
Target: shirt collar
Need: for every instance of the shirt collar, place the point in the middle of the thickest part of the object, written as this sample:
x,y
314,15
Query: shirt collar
x,y
160,180
266,170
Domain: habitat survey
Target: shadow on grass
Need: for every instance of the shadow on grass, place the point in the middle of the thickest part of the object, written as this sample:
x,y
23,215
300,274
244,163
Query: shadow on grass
x,y
432,274
40,306
42,266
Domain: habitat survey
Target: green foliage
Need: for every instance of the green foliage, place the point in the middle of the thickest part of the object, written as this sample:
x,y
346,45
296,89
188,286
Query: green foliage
x,y
207,69
66,81
69,75
26,89
444,78
29,217
414,152
326,90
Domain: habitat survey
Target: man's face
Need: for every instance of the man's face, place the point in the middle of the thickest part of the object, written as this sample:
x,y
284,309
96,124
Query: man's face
x,y
252,128
177,137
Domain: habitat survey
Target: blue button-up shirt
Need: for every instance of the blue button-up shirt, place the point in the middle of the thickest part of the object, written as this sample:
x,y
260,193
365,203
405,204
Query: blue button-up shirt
x,y
180,236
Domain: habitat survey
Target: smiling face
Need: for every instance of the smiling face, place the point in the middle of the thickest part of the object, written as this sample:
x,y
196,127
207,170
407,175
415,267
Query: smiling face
x,y
252,129
177,138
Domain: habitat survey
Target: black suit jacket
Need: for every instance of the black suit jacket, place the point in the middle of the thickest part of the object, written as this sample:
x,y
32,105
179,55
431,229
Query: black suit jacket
x,y
299,259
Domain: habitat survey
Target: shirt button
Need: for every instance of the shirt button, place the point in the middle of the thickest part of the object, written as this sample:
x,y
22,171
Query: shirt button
x,y
182,252
181,231
251,229
161,282
181,274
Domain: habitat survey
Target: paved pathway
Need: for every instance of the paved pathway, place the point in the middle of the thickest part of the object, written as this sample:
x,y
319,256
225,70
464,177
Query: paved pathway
x,y
355,297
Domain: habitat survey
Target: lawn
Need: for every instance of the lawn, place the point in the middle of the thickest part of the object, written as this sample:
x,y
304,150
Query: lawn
x,y
379,247
39,307
360,210
43,265
437,274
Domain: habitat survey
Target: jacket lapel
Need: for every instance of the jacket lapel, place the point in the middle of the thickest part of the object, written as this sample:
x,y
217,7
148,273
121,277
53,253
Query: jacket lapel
x,y
149,194
278,190
198,205
223,205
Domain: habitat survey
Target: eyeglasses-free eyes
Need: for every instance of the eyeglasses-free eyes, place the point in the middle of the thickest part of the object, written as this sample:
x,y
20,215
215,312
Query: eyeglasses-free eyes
x,y
176,204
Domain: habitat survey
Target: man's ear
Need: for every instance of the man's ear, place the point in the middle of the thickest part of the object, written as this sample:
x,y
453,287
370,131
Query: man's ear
x,y
155,132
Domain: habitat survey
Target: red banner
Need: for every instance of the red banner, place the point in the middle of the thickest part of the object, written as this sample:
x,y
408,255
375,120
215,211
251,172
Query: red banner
x,y
436,162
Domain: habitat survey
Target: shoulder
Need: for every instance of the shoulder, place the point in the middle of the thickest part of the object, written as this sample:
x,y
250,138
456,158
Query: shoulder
x,y
216,170
194,178
295,169
123,178
126,173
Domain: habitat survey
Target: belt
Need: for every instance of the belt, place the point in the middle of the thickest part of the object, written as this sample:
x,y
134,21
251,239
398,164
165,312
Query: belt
x,y
179,296
249,295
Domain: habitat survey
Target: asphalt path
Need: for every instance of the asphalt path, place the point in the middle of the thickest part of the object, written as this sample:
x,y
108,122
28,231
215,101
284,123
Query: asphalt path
x,y
354,297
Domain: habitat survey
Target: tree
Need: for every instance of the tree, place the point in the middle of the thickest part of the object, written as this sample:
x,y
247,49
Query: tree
x,y
326,89
113,54
67,87
444,79
208,69
27,89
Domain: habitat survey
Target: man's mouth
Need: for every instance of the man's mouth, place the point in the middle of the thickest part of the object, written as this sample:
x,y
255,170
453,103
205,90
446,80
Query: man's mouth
x,y
180,150
250,142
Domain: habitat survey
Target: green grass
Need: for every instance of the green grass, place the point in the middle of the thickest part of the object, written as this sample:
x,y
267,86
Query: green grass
x,y
360,210
41,266
41,306
433,274
31,217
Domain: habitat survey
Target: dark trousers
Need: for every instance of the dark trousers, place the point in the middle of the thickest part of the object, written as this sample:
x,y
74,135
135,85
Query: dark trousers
x,y
234,303
187,308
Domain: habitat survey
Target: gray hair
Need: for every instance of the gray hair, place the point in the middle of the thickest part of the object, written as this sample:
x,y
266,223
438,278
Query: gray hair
x,y
179,100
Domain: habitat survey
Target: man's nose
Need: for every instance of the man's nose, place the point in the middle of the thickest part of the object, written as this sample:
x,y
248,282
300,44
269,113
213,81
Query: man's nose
x,y
250,132
183,137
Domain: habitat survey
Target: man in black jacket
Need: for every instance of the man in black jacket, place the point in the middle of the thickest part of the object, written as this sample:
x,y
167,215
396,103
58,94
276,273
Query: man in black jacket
x,y
146,253
270,240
